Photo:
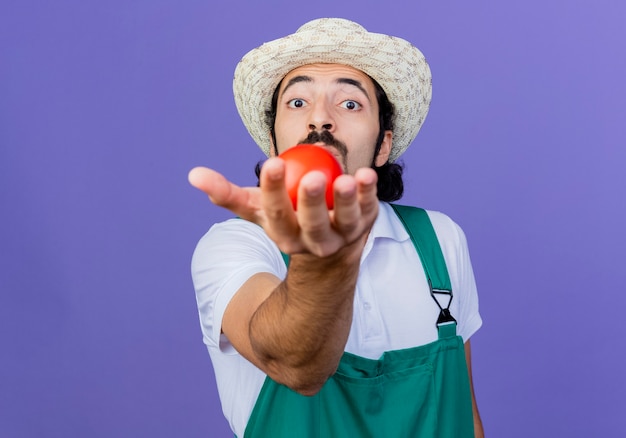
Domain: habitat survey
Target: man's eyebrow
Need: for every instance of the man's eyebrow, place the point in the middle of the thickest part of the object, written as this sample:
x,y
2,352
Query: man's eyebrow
x,y
349,81
295,80
355,83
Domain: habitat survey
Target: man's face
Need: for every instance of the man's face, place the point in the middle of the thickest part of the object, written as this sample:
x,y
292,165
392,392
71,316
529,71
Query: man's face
x,y
320,99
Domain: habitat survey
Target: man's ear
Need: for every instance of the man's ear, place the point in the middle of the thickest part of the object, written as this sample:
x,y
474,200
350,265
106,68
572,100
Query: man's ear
x,y
385,149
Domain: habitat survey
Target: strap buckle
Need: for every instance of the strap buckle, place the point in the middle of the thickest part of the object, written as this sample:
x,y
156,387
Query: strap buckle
x,y
445,317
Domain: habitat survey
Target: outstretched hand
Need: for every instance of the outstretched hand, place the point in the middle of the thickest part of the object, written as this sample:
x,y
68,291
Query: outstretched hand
x,y
313,228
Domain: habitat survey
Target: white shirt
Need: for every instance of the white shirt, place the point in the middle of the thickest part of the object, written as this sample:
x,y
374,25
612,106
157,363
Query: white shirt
x,y
393,308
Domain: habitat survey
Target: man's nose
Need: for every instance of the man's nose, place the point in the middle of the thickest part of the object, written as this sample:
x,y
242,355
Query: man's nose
x,y
321,118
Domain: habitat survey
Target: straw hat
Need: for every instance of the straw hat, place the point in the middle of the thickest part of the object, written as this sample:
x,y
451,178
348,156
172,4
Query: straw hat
x,y
398,66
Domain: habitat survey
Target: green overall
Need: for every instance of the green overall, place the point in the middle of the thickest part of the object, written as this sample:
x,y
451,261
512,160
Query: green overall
x,y
416,392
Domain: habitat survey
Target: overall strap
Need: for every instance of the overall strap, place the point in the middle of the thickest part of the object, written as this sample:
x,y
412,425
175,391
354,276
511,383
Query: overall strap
x,y
420,229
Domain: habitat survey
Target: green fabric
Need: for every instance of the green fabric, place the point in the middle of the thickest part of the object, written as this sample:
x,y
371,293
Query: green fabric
x,y
416,392
419,227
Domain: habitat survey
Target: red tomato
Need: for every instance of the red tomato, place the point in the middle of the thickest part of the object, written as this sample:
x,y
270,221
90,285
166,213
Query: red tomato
x,y
303,158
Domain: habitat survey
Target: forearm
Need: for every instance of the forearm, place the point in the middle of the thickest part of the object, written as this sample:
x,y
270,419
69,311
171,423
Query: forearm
x,y
299,332
296,330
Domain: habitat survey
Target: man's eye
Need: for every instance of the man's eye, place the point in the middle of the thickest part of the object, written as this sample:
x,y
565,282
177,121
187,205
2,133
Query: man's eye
x,y
296,103
350,105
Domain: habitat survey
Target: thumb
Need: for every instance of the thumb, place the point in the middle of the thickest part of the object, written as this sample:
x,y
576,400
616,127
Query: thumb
x,y
202,178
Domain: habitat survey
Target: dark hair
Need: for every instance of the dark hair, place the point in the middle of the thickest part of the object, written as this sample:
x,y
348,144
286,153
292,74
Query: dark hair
x,y
390,186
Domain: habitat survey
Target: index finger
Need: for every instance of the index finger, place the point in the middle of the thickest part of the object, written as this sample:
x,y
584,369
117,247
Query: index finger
x,y
282,224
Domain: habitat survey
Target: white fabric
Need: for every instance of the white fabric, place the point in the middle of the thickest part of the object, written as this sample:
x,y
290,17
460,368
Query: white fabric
x,y
393,308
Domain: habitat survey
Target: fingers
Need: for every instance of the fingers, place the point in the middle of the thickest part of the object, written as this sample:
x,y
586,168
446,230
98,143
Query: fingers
x,y
310,229
281,223
367,191
211,183
355,210
313,228
356,203
275,200
313,215
347,212
244,202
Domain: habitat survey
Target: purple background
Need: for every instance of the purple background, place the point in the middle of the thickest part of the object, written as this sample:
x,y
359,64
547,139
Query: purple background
x,y
105,106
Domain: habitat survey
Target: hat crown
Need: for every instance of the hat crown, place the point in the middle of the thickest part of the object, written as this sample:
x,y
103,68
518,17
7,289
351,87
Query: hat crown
x,y
333,24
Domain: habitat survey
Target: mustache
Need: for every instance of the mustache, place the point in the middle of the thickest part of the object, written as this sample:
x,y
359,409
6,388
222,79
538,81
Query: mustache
x,y
327,138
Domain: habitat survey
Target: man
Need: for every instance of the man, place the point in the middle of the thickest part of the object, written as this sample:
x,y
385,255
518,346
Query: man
x,y
347,338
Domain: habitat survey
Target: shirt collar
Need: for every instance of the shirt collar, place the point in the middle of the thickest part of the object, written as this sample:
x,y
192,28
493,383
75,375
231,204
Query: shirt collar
x,y
388,225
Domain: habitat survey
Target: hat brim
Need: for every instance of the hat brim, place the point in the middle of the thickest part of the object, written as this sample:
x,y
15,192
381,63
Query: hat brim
x,y
398,66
